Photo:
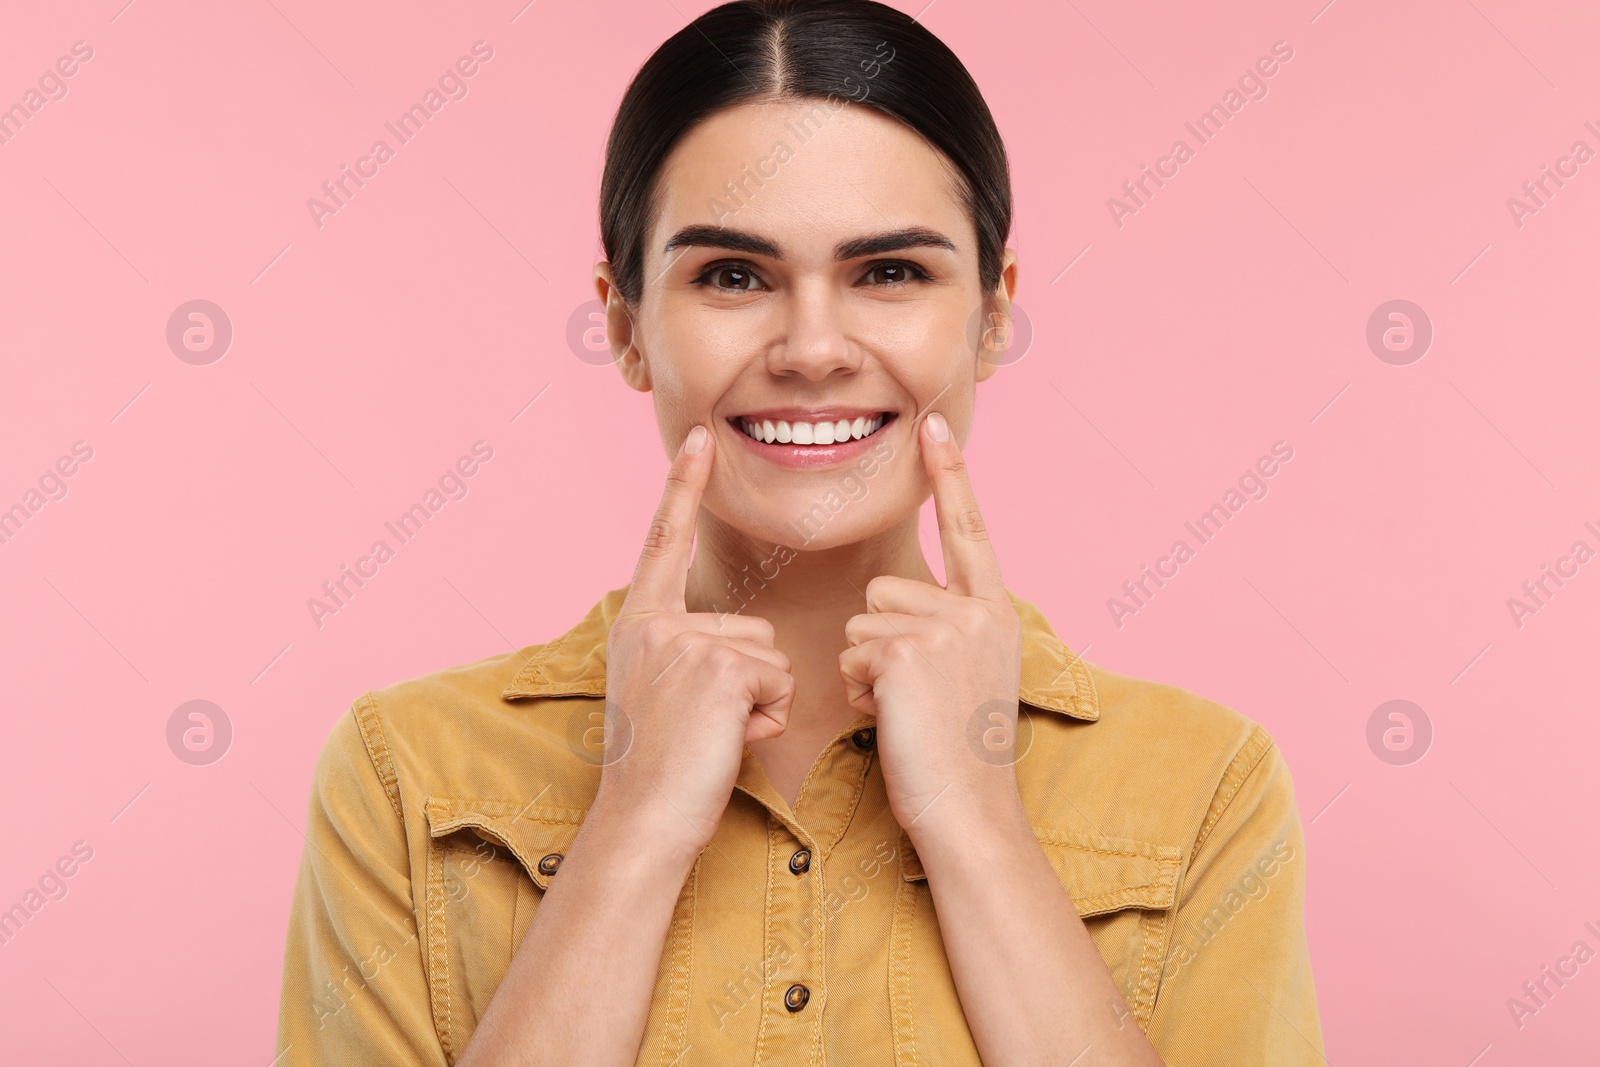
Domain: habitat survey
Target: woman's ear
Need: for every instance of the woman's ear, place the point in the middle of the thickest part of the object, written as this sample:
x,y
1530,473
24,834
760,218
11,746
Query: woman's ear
x,y
620,331
996,332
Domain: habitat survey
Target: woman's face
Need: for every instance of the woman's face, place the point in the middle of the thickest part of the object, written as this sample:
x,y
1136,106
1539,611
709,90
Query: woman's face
x,y
809,262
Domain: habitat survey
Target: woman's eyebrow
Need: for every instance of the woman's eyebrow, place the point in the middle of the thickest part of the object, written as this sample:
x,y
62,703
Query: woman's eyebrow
x,y
893,241
871,245
723,237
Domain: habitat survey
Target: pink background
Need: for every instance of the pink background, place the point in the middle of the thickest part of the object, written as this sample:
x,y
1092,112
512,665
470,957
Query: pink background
x,y
1228,313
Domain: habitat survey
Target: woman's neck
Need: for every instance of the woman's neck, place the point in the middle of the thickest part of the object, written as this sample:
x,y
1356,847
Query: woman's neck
x,y
800,592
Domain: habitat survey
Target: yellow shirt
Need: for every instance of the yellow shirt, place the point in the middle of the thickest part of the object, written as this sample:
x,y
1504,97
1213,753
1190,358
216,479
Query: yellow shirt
x,y
441,807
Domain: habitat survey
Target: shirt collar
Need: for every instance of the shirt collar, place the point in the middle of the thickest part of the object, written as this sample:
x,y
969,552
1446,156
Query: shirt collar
x,y
1054,678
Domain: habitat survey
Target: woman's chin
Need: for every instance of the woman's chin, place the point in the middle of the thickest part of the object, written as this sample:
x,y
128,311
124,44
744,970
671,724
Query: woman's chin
x,y
807,526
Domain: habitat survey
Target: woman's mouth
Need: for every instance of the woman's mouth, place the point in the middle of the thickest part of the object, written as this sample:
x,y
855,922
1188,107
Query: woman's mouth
x,y
811,442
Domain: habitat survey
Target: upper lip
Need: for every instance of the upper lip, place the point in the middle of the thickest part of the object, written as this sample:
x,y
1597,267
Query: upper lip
x,y
825,414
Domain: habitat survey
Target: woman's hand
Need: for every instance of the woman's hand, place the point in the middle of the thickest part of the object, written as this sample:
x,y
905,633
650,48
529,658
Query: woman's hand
x,y
684,690
940,668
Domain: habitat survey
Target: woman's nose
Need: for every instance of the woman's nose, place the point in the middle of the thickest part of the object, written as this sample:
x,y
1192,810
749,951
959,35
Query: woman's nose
x,y
814,341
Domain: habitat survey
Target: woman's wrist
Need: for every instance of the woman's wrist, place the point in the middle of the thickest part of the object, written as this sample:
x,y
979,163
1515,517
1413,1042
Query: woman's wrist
x,y
958,824
650,833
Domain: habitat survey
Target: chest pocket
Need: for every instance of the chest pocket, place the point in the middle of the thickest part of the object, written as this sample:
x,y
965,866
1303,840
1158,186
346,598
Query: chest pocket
x,y
1123,889
489,863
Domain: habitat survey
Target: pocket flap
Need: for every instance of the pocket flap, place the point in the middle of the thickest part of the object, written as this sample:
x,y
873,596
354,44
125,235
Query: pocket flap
x,y
1100,873
537,836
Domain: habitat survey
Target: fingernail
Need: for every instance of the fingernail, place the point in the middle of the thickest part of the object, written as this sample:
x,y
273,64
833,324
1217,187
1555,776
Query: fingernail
x,y
938,429
695,441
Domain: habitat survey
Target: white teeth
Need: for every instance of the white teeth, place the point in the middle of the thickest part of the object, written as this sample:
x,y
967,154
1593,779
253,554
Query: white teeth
x,y
807,433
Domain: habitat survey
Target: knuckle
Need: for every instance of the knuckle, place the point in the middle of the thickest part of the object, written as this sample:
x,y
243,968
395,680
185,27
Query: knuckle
x,y
972,617
763,629
969,522
722,658
677,480
688,644
899,650
659,539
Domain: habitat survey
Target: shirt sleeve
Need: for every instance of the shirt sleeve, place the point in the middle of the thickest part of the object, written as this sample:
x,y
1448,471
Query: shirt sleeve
x,y
354,988
1236,987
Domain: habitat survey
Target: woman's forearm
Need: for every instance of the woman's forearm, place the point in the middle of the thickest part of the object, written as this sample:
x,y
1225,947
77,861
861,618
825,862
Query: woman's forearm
x,y
578,990
1033,987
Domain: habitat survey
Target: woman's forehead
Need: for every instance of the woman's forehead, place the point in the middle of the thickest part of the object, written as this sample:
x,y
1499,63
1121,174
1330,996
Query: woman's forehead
x,y
807,174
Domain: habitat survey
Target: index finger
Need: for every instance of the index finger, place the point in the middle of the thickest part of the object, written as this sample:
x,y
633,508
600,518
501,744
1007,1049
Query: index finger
x,y
971,567
662,573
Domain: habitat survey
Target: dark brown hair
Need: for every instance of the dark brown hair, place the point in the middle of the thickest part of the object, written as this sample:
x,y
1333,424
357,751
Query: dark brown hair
x,y
760,49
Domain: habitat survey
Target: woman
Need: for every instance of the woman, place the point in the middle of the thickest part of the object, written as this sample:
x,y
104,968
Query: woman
x,y
806,804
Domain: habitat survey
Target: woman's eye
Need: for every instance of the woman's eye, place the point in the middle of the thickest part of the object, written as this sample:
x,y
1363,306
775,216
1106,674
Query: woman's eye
x,y
896,273
734,277
731,276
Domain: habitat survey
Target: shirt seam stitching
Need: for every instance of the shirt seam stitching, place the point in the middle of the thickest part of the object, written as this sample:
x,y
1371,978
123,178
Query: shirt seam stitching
x,y
904,1033
439,964
1252,752
681,974
365,711
855,804
766,935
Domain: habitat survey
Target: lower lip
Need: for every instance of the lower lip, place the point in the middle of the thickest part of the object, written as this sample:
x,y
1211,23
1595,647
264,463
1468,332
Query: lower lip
x,y
807,456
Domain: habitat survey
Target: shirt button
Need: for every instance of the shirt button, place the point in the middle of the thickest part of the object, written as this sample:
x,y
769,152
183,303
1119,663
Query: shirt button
x,y
796,997
548,864
864,738
800,862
